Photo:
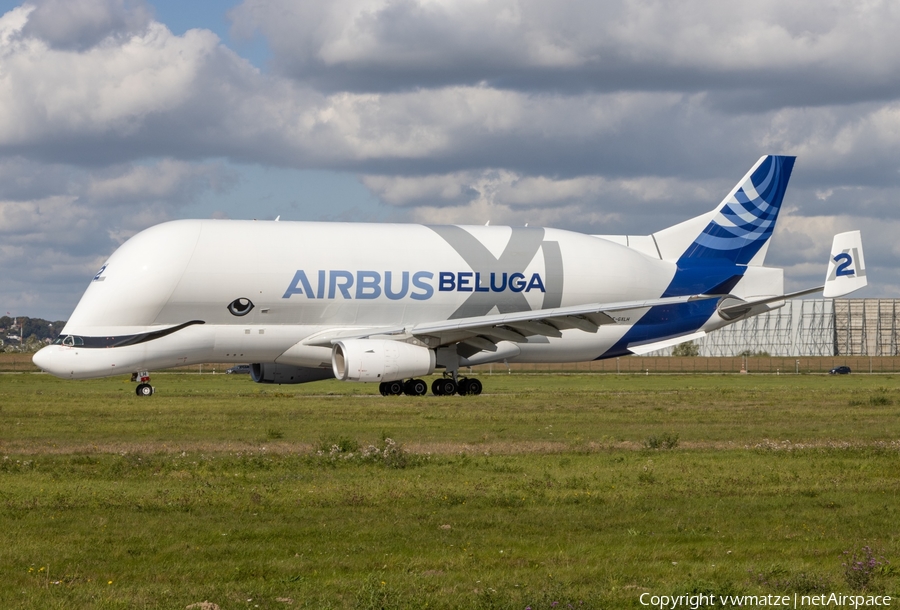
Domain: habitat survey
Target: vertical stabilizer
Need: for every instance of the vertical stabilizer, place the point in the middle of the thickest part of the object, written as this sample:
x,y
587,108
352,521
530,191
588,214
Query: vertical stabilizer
x,y
738,230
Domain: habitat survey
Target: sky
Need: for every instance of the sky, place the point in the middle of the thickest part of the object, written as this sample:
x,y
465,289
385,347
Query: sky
x,y
606,117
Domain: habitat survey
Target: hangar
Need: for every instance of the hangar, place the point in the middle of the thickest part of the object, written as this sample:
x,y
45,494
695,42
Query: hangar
x,y
812,327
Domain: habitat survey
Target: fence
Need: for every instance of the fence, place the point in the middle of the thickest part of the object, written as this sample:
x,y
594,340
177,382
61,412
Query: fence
x,y
736,364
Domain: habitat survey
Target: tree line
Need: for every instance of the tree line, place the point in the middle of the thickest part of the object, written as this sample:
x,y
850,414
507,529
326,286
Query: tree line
x,y
34,331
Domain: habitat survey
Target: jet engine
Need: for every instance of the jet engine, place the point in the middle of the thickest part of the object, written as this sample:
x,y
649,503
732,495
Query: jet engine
x,y
269,372
373,360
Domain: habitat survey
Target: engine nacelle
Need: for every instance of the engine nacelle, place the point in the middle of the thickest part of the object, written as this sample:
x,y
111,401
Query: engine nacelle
x,y
269,372
373,360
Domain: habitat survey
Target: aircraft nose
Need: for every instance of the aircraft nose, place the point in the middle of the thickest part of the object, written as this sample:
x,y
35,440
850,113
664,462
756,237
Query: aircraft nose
x,y
44,359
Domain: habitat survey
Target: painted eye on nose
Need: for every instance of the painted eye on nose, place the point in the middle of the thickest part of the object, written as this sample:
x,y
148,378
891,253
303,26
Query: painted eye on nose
x,y
240,307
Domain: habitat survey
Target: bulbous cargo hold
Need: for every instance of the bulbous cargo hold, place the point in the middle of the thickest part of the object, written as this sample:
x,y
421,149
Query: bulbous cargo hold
x,y
373,360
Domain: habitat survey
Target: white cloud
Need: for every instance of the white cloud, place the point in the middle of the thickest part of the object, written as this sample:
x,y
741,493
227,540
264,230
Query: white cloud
x,y
53,237
582,44
22,221
165,180
516,191
611,116
152,93
49,93
81,24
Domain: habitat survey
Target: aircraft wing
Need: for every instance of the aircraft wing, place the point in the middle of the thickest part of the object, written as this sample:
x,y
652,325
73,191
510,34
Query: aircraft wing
x,y
846,273
483,332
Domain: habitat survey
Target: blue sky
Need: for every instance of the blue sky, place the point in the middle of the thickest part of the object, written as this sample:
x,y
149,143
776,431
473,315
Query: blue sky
x,y
603,117
269,192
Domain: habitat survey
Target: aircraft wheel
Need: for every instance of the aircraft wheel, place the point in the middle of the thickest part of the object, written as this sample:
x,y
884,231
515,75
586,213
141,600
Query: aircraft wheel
x,y
382,388
394,388
443,387
462,386
144,389
474,387
420,388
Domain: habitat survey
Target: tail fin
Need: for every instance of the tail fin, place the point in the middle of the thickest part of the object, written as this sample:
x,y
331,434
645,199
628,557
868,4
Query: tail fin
x,y
738,230
847,267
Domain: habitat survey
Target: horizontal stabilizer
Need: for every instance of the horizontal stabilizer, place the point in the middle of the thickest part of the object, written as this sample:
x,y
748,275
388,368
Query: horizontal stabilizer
x,y
646,348
846,273
733,308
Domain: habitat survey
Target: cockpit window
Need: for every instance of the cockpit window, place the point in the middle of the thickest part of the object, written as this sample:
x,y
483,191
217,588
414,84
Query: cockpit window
x,y
72,341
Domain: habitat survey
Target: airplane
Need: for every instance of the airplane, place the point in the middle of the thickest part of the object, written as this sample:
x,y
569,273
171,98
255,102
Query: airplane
x,y
391,303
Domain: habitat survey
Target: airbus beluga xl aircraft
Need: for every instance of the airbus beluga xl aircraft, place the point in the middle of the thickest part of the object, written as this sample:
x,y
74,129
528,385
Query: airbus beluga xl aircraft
x,y
390,303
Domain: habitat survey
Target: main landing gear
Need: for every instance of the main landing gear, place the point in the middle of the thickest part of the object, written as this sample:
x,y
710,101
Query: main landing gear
x,y
463,386
445,386
410,387
143,379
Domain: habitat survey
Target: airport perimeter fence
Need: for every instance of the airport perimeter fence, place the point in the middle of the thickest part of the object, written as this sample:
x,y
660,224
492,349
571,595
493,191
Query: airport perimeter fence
x,y
625,365
676,365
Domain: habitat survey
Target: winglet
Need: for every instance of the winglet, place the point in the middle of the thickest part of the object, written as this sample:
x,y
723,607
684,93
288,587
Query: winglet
x,y
846,266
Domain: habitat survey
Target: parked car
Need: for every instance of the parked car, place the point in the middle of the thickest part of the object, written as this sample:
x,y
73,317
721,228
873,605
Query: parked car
x,y
840,370
245,368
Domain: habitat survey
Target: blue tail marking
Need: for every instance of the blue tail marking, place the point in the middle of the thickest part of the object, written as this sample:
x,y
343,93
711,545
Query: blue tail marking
x,y
716,260
746,221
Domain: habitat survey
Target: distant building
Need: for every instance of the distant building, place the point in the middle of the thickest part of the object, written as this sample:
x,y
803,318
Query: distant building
x,y
812,327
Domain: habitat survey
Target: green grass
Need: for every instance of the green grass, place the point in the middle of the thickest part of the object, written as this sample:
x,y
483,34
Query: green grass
x,y
517,413
582,490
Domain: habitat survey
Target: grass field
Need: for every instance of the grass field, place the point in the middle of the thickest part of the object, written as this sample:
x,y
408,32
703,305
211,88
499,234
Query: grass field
x,y
581,490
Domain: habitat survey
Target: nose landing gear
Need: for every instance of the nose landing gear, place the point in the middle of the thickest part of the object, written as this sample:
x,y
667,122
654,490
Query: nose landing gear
x,y
143,379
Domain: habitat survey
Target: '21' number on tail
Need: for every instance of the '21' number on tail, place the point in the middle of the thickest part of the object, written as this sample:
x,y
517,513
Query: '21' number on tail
x,y
843,260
